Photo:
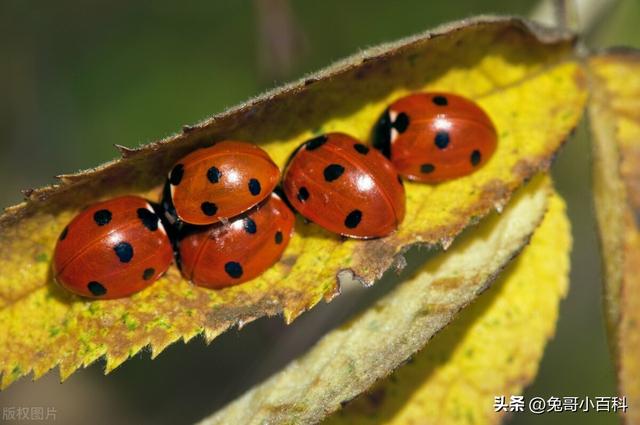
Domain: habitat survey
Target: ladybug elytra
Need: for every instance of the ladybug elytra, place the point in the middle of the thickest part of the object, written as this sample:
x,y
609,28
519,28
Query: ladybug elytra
x,y
112,249
219,182
345,187
229,227
433,137
226,254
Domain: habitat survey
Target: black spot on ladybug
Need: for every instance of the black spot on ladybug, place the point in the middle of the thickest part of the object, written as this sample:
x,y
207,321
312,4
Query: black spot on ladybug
x,y
399,177
209,208
175,177
427,168
124,251
476,157
102,217
440,100
254,187
148,273
233,269
353,219
149,219
213,174
250,226
333,172
401,123
63,235
303,194
382,134
442,139
316,142
362,149
278,237
96,288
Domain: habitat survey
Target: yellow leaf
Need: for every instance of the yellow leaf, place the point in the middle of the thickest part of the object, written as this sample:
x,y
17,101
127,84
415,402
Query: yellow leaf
x,y
614,113
350,359
526,78
492,348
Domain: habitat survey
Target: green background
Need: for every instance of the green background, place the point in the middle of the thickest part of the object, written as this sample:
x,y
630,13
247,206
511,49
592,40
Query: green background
x,y
77,77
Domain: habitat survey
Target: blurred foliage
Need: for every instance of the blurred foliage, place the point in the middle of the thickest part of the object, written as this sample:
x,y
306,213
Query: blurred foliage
x,y
615,126
83,76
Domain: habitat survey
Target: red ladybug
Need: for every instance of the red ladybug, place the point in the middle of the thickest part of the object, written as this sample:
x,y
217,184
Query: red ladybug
x,y
219,182
226,254
342,185
433,137
112,249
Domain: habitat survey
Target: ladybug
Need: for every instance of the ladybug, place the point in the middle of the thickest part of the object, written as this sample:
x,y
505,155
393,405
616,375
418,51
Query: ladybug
x,y
112,249
226,254
345,187
218,182
433,137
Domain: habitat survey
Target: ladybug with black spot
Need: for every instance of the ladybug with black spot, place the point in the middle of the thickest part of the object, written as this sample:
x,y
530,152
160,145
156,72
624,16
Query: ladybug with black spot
x,y
112,249
226,254
345,187
434,137
219,182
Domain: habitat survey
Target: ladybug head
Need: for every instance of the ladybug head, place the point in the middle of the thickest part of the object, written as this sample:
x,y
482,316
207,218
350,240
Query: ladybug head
x,y
381,134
